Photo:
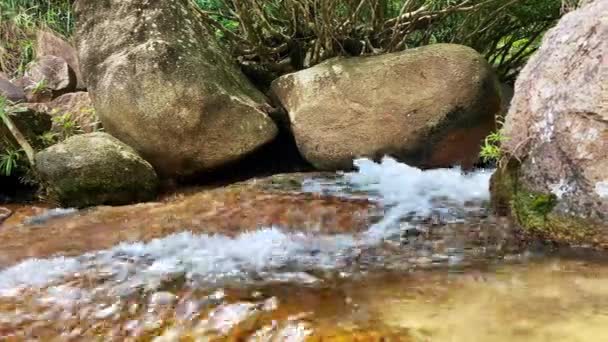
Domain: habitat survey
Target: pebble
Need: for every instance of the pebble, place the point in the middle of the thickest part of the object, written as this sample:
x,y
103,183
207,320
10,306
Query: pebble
x,y
162,298
107,312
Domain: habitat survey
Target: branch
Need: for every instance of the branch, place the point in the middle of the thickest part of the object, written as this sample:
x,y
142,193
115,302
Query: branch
x,y
19,137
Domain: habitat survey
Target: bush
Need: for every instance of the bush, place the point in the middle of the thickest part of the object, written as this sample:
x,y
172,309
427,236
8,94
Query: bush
x,y
287,35
281,36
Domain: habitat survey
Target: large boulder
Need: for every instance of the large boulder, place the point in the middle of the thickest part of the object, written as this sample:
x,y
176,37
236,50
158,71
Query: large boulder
x,y
161,83
49,43
556,134
431,106
93,169
10,91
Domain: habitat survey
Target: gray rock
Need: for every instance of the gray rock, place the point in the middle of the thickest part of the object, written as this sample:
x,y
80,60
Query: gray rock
x,y
11,91
50,44
4,214
557,134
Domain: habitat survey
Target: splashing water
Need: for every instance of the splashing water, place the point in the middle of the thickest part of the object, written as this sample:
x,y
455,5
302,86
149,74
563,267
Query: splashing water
x,y
267,253
411,191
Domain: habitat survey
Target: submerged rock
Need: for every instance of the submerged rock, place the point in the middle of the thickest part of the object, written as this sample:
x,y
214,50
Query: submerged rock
x,y
431,106
556,134
93,169
162,84
228,212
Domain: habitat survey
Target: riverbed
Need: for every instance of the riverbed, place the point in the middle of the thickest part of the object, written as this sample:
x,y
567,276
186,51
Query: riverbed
x,y
386,253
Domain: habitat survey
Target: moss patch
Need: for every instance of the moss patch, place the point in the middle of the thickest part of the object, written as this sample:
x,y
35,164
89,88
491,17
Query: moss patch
x,y
534,211
532,208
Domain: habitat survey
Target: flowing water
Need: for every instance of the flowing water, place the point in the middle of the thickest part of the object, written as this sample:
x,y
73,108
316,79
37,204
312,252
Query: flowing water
x,y
430,265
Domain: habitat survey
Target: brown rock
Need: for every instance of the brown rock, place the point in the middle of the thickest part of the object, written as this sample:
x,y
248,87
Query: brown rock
x,y
11,91
228,210
47,78
95,169
430,106
161,83
50,44
557,130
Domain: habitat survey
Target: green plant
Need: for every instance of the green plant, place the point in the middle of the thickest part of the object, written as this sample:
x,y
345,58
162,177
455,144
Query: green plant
x,y
66,126
39,87
490,150
5,118
287,35
10,161
19,20
49,138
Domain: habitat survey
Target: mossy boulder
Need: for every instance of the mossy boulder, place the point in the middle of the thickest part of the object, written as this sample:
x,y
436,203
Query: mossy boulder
x,y
542,214
95,169
556,135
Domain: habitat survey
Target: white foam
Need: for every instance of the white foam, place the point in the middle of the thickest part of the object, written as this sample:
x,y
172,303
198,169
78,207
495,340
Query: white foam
x,y
36,273
398,183
269,253
407,190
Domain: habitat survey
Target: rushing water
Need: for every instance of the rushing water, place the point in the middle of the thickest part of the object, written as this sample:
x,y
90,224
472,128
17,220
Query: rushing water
x,y
433,267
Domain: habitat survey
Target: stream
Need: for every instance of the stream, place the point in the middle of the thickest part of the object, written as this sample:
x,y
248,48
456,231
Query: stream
x,y
386,253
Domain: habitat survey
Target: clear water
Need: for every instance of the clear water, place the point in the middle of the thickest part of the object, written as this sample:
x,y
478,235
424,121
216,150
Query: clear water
x,y
434,266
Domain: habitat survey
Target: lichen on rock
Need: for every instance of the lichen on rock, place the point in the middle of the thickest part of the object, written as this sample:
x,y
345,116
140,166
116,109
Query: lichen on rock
x,y
95,169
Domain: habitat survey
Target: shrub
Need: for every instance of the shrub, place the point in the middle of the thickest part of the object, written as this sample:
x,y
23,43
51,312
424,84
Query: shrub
x,y
286,35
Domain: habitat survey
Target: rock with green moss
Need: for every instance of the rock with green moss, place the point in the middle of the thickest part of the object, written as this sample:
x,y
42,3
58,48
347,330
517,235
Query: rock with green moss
x,y
544,214
556,135
162,84
95,169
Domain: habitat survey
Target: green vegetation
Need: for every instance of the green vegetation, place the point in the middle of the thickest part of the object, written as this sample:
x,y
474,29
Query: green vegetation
x,y
10,157
490,150
286,35
65,127
17,150
532,208
10,160
280,36
39,87
19,20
